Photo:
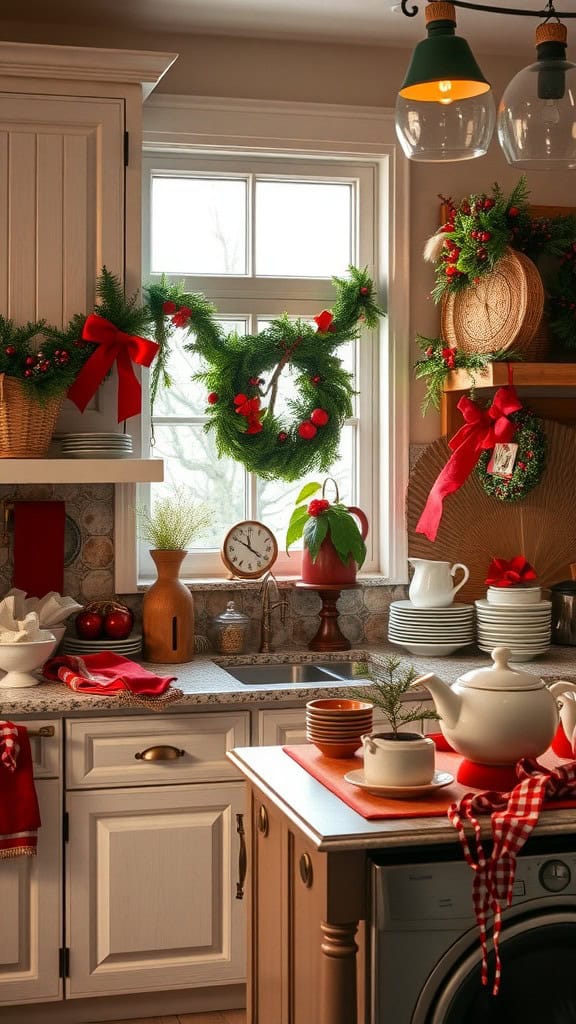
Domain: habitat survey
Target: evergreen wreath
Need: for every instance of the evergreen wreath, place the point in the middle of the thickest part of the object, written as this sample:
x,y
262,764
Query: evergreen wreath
x,y
530,460
439,361
243,371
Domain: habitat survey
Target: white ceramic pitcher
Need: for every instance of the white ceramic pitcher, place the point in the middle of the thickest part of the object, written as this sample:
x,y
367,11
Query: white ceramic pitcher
x,y
432,585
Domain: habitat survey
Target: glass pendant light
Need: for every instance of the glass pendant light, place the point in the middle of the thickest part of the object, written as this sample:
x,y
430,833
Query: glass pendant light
x,y
537,113
445,109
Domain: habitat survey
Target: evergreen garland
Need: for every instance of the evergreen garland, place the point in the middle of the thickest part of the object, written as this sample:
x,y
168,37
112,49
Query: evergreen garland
x,y
243,371
45,361
561,288
530,460
439,361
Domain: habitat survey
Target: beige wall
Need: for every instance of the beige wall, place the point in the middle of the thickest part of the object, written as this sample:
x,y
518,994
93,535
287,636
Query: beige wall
x,y
322,73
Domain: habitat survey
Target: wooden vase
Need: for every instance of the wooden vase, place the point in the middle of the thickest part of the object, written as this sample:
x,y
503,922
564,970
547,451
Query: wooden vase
x,y
168,613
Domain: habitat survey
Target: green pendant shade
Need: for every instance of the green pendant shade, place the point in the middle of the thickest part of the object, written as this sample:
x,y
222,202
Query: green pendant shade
x,y
443,68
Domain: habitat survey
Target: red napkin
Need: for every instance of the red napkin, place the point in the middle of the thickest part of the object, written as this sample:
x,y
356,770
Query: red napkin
x,y
39,528
108,673
19,812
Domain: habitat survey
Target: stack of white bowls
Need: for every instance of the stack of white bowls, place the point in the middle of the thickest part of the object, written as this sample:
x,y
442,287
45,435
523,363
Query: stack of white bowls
x,y
335,724
517,618
434,632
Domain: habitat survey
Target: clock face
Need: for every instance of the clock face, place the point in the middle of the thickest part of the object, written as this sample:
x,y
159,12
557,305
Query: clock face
x,y
249,549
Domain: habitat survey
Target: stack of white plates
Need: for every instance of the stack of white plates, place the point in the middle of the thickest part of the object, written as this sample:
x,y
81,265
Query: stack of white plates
x,y
96,446
129,648
523,628
431,631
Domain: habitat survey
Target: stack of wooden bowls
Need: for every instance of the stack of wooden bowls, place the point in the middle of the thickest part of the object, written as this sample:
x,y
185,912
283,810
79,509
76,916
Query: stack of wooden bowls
x,y
335,724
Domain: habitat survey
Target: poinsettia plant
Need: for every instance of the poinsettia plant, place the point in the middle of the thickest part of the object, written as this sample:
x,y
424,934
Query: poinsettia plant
x,y
315,520
513,572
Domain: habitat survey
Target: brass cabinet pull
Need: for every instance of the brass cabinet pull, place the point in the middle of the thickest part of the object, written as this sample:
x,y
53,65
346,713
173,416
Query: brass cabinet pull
x,y
166,753
44,730
306,870
242,857
262,822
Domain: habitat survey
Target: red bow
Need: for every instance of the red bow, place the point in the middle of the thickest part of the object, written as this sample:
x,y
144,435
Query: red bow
x,y
502,573
113,346
483,429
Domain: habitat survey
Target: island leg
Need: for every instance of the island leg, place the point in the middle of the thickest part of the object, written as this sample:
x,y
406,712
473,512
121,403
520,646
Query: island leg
x,y
338,993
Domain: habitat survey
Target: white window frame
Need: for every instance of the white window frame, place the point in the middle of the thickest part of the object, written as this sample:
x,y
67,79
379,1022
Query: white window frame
x,y
203,125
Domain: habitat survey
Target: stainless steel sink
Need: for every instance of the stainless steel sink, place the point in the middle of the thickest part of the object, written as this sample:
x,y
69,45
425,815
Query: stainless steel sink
x,y
270,675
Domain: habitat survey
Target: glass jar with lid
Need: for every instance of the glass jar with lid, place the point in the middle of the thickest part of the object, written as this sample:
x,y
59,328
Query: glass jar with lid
x,y
230,631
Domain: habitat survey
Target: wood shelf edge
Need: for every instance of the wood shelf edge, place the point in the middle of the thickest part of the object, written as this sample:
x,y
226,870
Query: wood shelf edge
x,y
80,471
525,374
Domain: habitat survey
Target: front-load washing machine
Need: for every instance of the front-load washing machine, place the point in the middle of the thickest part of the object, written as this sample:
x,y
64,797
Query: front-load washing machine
x,y
425,952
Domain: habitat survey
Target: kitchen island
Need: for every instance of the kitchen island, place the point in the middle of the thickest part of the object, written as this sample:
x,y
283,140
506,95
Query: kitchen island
x,y
309,864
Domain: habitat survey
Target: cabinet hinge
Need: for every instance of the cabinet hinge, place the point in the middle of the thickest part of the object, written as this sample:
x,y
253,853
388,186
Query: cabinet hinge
x,y
66,826
126,148
64,962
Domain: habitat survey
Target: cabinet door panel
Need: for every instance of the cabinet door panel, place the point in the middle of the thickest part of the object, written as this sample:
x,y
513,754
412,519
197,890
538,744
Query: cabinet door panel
x,y
31,902
152,876
61,214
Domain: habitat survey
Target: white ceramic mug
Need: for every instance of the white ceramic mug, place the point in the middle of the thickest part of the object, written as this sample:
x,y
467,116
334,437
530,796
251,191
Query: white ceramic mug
x,y
432,584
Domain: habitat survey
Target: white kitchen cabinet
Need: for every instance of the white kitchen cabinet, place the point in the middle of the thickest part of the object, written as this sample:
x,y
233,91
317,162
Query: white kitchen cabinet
x,y
154,858
31,894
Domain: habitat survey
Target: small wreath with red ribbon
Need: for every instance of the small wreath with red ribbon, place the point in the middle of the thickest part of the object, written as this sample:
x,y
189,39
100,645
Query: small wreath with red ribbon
x,y
529,465
243,372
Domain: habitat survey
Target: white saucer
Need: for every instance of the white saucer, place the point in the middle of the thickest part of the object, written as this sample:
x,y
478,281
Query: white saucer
x,y
356,778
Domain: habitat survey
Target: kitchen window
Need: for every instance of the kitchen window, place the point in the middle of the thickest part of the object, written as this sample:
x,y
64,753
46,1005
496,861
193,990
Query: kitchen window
x,y
261,234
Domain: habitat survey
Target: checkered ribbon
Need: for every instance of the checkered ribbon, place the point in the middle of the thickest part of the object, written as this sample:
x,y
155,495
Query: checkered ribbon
x,y
9,748
513,817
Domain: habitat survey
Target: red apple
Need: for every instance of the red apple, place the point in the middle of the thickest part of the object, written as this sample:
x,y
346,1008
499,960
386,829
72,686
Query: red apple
x,y
118,624
89,625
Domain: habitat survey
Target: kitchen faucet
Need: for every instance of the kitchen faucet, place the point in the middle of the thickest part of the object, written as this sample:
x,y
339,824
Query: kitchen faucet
x,y
269,581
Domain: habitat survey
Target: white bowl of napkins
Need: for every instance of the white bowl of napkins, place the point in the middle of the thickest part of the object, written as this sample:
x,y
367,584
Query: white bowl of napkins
x,y
25,642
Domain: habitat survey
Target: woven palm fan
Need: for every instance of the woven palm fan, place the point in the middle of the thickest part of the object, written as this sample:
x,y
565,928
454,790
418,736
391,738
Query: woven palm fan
x,y
475,528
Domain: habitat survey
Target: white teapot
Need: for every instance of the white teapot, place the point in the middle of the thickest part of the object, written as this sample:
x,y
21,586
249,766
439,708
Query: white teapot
x,y
499,714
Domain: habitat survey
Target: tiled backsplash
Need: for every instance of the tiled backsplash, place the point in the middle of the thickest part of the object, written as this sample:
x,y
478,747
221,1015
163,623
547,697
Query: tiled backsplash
x,y
89,574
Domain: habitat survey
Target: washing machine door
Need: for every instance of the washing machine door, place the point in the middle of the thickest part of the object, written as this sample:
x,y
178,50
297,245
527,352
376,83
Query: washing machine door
x,y
538,985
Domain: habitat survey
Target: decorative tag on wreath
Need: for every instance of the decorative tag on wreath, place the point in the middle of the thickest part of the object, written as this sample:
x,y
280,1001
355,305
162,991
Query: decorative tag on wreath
x,y
529,464
502,460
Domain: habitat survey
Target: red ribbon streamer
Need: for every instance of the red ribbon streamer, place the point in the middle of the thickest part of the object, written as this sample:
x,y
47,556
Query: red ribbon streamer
x,y
482,429
113,347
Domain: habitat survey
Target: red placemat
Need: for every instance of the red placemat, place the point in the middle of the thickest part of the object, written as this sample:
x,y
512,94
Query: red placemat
x,y
330,771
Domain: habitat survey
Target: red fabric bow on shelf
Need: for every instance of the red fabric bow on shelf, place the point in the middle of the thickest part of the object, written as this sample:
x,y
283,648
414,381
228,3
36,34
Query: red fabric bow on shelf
x,y
113,347
483,429
509,574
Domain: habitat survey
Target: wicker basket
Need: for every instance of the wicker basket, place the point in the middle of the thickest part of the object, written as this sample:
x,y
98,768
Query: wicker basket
x,y
504,310
26,426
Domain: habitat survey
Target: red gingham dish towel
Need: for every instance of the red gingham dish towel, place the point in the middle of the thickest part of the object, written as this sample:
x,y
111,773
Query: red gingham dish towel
x,y
19,812
110,673
513,817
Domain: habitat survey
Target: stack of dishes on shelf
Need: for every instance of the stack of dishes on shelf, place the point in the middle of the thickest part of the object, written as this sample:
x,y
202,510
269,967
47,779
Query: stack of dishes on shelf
x,y
96,446
336,724
129,648
516,618
431,631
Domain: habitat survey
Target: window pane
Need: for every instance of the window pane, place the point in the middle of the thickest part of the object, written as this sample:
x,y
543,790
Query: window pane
x,y
198,225
303,229
276,498
191,461
187,397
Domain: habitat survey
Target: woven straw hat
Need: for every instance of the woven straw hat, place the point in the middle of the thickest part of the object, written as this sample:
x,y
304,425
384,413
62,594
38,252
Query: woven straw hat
x,y
503,310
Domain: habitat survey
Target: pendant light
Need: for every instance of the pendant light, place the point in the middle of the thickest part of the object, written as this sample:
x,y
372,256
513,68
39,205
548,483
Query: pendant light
x,y
537,113
445,109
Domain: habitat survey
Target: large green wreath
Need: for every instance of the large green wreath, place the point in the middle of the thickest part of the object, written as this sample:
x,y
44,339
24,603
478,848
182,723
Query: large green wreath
x,y
243,371
530,460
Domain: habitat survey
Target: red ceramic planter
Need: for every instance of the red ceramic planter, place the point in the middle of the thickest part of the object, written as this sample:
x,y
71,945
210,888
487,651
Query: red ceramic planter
x,y
328,570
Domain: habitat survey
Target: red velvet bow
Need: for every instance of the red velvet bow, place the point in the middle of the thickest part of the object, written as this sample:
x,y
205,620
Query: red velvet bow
x,y
509,574
113,346
483,429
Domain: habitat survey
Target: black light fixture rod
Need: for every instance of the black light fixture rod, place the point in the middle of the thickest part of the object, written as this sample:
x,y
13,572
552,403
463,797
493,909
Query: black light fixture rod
x,y
412,11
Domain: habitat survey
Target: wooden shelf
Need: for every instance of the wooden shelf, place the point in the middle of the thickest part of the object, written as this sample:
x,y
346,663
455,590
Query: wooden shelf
x,y
525,375
561,408
80,471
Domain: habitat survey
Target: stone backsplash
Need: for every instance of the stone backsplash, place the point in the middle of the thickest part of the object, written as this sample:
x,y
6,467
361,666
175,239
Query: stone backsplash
x,y
89,575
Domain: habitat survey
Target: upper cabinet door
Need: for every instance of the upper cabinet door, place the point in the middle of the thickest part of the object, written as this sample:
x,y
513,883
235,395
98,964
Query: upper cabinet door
x,y
61,215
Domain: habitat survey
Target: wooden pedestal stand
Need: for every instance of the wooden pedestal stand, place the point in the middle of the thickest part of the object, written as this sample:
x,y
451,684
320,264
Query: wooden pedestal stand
x,y
329,636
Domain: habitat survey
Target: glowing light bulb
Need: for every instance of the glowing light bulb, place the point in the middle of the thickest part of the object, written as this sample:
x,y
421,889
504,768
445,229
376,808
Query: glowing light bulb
x,y
445,86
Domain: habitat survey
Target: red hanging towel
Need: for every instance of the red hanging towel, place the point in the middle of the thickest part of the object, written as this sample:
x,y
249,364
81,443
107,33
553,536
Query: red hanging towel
x,y
39,547
19,813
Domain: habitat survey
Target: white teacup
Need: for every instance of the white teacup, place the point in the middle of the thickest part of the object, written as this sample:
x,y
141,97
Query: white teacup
x,y
398,762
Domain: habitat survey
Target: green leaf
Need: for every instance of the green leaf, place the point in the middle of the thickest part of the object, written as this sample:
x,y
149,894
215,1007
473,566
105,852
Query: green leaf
x,y
346,536
296,525
314,533
307,491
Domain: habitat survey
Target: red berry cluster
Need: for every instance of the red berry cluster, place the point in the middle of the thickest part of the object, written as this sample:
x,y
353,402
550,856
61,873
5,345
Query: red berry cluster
x,y
309,428
36,364
316,507
449,357
179,315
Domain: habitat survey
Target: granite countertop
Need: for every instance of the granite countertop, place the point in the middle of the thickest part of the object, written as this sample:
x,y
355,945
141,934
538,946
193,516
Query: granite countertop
x,y
205,681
